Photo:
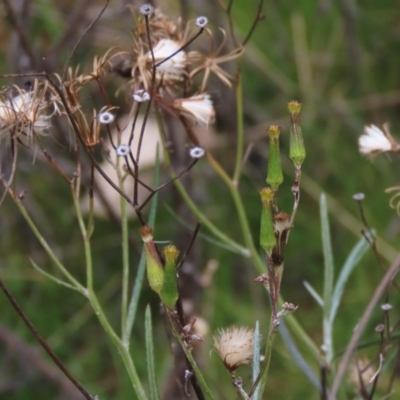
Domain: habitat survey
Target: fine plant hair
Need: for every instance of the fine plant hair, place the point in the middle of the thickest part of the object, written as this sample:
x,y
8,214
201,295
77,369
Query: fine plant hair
x,y
166,78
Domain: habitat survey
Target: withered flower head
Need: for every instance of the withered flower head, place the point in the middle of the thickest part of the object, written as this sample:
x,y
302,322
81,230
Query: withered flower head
x,y
198,108
209,63
25,114
90,131
234,346
360,374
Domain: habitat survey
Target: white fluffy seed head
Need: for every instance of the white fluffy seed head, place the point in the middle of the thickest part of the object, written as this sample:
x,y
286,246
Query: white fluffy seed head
x,y
234,345
106,118
122,150
201,22
146,9
375,141
199,108
197,152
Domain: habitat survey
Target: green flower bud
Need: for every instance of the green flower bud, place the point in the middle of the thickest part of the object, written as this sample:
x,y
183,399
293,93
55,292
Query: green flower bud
x,y
297,151
274,175
169,291
155,272
267,233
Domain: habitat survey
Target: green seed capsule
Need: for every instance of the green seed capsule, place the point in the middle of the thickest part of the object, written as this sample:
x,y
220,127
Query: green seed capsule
x,y
297,151
155,272
267,232
169,291
274,175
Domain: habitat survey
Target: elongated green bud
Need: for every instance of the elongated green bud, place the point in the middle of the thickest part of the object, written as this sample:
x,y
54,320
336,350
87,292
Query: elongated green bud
x,y
297,151
169,290
155,272
274,175
267,233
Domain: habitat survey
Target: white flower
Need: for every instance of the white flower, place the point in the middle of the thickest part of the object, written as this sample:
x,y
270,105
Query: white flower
x,y
375,141
201,22
164,49
234,346
141,95
106,118
199,108
122,150
197,152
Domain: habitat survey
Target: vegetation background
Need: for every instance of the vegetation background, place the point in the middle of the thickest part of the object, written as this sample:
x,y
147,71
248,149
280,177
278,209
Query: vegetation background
x,y
341,60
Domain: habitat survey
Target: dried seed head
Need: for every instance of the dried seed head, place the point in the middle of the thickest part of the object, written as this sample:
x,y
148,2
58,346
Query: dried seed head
x,y
360,374
122,150
201,22
287,308
197,152
234,346
163,50
146,9
198,108
141,96
375,141
24,114
106,118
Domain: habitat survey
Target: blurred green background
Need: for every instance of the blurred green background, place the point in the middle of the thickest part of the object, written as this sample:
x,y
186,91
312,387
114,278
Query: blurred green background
x,y
341,60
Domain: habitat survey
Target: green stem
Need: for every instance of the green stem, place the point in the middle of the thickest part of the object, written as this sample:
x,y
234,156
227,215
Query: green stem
x,y
240,127
123,350
125,254
85,236
248,238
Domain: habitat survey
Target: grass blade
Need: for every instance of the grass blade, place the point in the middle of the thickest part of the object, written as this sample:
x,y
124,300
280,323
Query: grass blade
x,y
296,355
256,360
328,279
313,293
352,260
150,355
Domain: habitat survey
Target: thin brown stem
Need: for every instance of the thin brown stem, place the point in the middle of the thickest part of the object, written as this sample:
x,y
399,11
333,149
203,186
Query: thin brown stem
x,y
390,273
65,69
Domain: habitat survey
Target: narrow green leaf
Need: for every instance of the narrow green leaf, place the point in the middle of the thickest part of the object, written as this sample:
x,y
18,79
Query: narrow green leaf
x,y
296,355
53,278
328,278
150,355
352,260
208,238
256,360
313,293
